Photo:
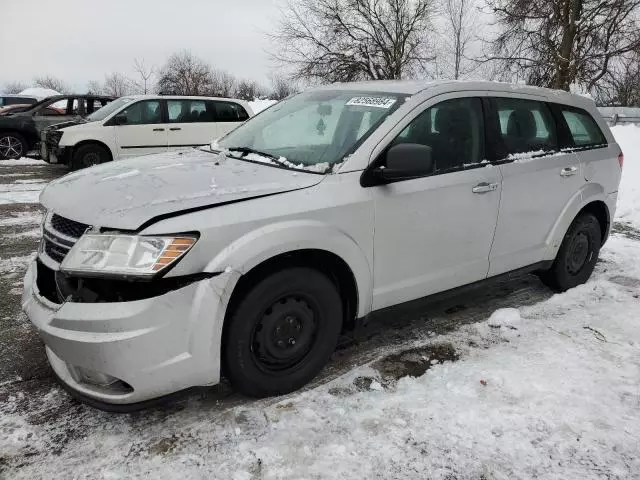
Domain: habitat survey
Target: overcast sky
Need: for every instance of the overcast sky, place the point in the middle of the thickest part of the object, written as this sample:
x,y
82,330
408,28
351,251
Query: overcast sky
x,y
82,40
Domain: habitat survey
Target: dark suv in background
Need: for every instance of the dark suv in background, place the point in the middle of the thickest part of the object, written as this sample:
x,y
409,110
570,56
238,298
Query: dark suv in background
x,y
20,132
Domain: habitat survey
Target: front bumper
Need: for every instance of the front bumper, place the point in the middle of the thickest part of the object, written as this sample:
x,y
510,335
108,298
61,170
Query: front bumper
x,y
60,155
152,347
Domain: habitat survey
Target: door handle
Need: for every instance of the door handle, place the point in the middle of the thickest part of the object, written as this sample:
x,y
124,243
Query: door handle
x,y
158,129
175,128
568,171
484,187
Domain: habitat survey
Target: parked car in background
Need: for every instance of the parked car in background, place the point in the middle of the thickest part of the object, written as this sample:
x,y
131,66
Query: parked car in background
x,y
140,125
20,131
11,109
16,99
251,256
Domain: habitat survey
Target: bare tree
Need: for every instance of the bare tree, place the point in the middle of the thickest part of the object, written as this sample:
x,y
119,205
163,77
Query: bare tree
x,y
51,83
223,84
13,87
146,73
557,43
621,86
461,24
185,74
117,85
345,40
94,87
248,90
281,87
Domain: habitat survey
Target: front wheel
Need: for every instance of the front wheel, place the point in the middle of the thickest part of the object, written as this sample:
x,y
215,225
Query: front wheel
x,y
89,155
282,333
577,256
12,146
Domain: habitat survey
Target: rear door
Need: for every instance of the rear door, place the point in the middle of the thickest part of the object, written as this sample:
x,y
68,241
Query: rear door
x,y
191,123
599,158
539,180
144,130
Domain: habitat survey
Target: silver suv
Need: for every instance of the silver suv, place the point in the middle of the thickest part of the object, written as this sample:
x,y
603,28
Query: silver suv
x,y
252,255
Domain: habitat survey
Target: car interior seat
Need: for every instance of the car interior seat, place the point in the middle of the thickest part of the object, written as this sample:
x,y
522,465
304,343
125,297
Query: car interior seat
x,y
452,144
521,131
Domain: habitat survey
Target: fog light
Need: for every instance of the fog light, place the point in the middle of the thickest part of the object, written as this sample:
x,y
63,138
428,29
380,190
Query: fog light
x,y
84,375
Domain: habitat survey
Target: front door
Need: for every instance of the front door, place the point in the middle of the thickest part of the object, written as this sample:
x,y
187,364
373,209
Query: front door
x,y
434,233
143,132
538,182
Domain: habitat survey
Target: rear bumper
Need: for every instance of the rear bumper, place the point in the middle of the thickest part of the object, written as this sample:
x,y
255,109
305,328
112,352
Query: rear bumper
x,y
125,353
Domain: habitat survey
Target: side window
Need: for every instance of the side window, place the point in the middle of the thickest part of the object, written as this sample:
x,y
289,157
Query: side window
x,y
93,105
142,113
190,111
525,126
230,112
584,130
453,129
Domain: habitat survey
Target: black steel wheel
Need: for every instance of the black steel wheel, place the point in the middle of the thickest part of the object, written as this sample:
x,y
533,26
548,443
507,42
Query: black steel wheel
x,y
577,255
282,332
88,156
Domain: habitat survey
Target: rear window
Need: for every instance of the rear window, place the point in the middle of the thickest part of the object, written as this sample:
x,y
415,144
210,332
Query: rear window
x,y
583,128
525,126
230,112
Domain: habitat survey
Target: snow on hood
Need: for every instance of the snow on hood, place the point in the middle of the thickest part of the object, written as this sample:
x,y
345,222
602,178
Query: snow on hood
x,y
128,193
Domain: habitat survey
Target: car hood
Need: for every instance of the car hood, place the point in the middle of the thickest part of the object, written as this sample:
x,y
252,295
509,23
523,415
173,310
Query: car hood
x,y
71,123
129,193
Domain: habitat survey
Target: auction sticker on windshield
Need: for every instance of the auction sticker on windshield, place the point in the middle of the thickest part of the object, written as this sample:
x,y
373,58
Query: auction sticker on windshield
x,y
379,102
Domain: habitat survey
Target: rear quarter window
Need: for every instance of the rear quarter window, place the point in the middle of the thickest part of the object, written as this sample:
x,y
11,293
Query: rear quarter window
x,y
583,128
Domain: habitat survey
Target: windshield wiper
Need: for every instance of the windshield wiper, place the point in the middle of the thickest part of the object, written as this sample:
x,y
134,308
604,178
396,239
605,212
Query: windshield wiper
x,y
247,150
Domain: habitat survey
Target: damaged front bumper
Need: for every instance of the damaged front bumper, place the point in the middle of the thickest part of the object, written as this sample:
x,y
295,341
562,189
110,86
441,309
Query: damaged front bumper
x,y
127,352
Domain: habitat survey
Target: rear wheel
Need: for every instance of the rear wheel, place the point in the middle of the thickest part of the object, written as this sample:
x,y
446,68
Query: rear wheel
x,y
282,333
12,146
577,256
89,155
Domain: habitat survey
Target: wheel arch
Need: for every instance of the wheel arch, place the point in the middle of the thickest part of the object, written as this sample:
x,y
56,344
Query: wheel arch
x,y
328,263
83,143
301,242
592,199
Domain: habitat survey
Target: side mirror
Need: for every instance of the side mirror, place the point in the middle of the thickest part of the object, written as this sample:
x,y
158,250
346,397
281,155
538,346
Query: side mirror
x,y
405,161
120,119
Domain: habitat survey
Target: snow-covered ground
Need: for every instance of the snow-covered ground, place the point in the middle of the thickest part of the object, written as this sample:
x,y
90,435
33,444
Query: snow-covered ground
x,y
548,391
628,208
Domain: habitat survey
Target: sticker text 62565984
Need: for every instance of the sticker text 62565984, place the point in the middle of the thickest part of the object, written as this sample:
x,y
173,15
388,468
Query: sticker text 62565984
x,y
379,102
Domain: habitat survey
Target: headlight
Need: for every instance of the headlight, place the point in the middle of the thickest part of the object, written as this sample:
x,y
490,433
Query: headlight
x,y
129,255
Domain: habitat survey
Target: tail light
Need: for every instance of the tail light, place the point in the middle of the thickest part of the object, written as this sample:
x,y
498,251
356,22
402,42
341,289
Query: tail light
x,y
621,159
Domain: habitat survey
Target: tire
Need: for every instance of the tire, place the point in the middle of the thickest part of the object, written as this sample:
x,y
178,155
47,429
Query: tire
x,y
282,333
88,156
12,146
577,256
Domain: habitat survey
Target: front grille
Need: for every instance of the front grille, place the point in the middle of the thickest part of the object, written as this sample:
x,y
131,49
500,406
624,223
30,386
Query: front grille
x,y
56,252
68,227
53,137
59,235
